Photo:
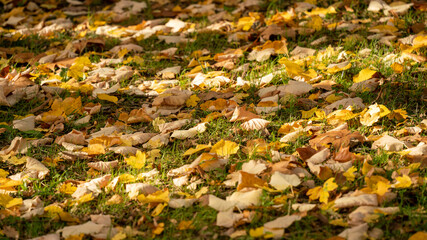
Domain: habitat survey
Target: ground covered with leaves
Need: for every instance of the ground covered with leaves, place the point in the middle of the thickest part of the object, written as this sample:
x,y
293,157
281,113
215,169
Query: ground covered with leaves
x,y
217,119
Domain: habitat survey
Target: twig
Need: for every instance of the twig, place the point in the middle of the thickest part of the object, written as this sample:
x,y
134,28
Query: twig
x,y
49,97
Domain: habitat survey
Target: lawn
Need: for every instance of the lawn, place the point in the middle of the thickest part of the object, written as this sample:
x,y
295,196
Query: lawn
x,y
236,119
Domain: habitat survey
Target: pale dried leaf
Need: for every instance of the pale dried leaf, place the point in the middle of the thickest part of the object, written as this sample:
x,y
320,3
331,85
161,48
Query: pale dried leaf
x,y
282,181
180,203
388,143
103,166
355,233
255,124
220,204
246,199
319,157
355,201
282,222
228,218
303,207
254,167
25,124
94,186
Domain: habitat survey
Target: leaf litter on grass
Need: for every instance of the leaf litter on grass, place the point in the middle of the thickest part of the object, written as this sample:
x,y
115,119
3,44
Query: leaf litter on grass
x,y
214,119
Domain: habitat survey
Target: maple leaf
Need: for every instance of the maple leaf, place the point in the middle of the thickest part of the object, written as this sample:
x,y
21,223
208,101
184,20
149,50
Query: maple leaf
x,y
137,161
377,184
322,193
403,182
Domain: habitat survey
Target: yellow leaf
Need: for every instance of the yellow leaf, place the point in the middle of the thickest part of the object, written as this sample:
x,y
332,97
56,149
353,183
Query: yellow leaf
x,y
403,182
119,236
7,201
76,71
366,168
202,191
199,147
85,198
137,161
115,199
57,213
349,174
340,116
225,148
157,197
128,60
75,237
107,97
376,184
192,101
256,232
122,52
67,188
84,61
3,173
330,185
94,149
333,98
363,75
245,23
308,114
159,229
16,161
419,236
397,68
126,178
315,23
321,11
184,225
382,188
339,68
323,196
383,29
8,184
320,115
67,106
314,193
292,68
159,208
398,114
156,122
339,222
138,60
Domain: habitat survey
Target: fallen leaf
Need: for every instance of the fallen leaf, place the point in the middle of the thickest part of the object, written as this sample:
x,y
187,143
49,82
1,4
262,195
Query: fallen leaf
x,y
282,181
364,75
225,148
137,161
388,143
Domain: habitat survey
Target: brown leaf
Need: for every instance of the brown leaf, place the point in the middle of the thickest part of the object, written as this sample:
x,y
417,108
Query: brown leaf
x,y
103,166
241,114
344,155
138,115
306,152
248,180
337,139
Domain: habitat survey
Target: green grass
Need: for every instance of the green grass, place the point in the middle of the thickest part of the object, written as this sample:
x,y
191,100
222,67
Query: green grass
x,y
396,91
